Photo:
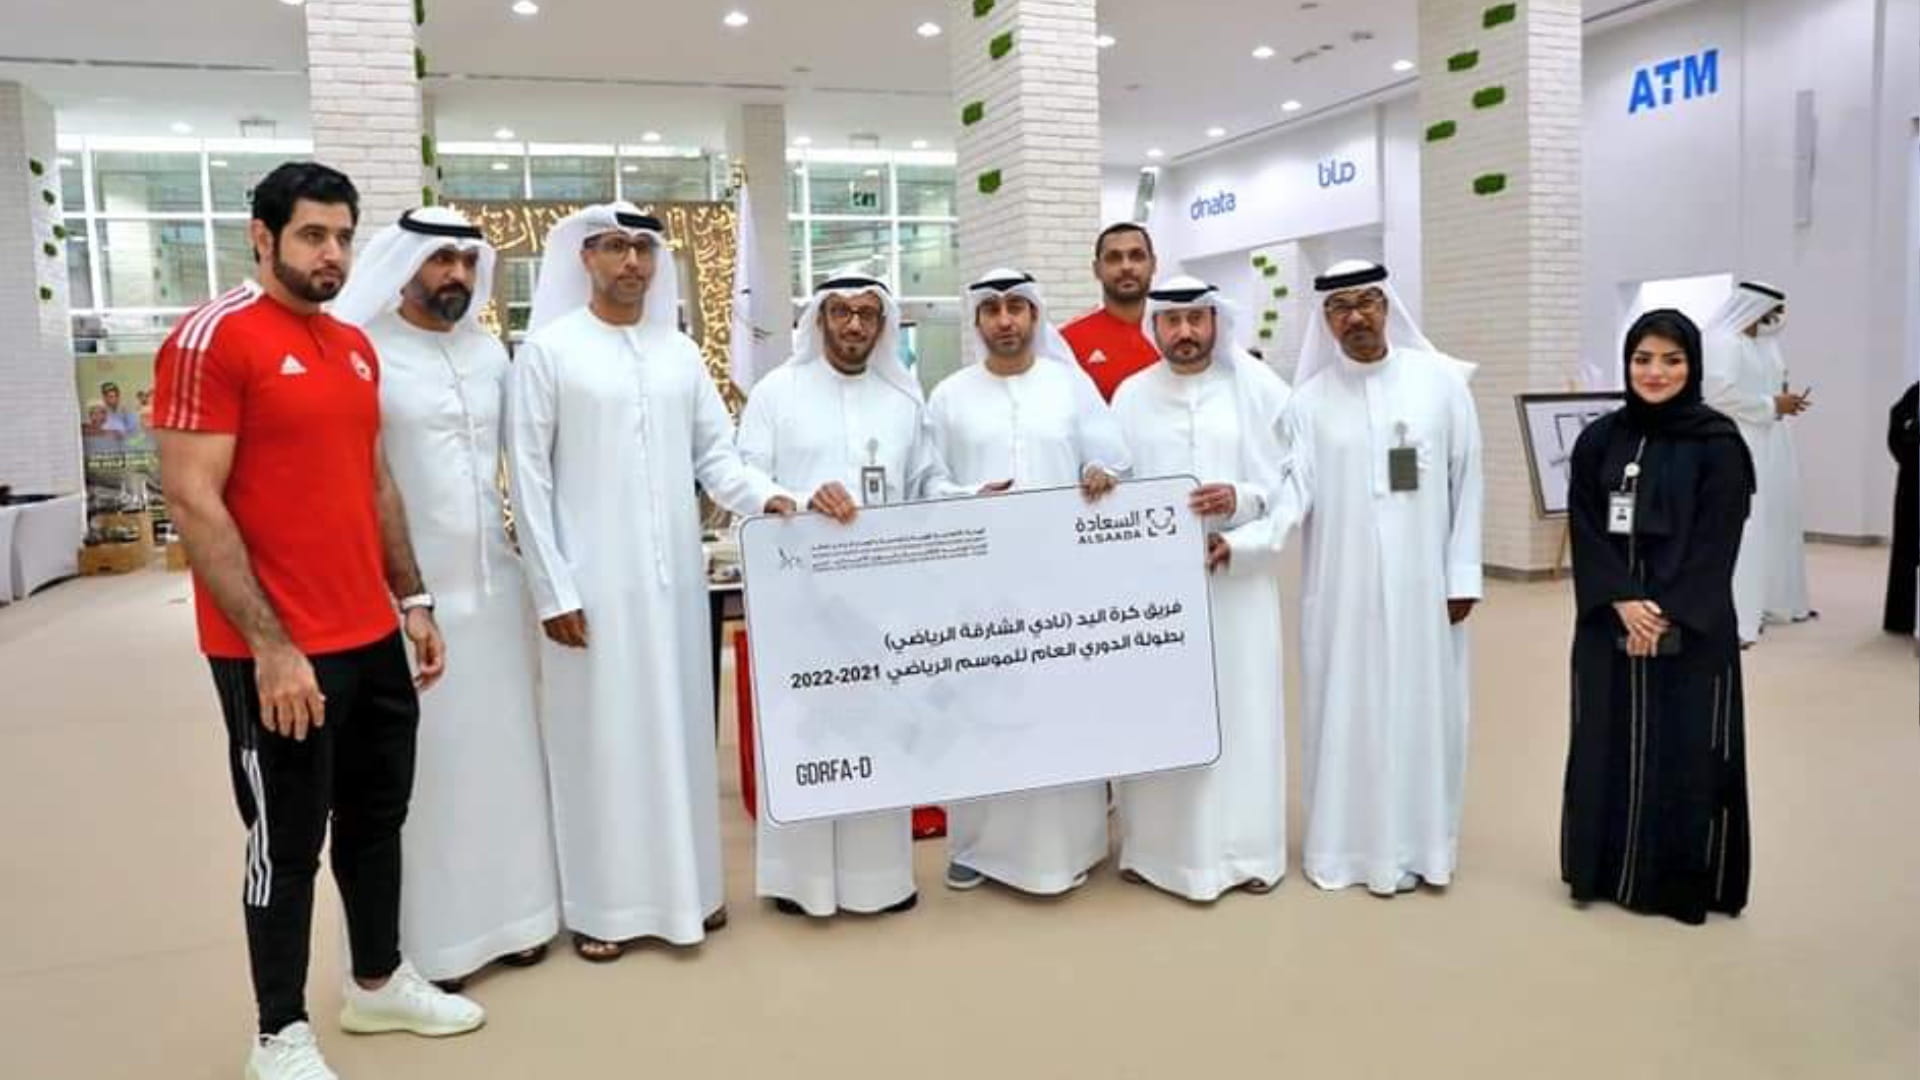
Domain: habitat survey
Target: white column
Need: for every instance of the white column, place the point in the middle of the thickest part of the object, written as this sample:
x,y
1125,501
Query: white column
x,y
757,141
1501,227
39,415
1036,135
364,97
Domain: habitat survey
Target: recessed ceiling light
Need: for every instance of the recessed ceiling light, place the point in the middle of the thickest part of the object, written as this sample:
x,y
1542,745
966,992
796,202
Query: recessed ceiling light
x,y
1263,52
1156,152
500,166
649,136
181,127
803,140
1215,132
293,3
629,168
928,29
217,163
871,172
1104,41
1290,106
919,144
736,19
526,8
503,133
1403,65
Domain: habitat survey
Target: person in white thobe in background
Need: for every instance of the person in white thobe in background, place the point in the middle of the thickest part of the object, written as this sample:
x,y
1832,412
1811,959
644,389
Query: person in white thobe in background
x,y
844,423
477,880
613,417
1209,409
1022,414
1384,453
1746,378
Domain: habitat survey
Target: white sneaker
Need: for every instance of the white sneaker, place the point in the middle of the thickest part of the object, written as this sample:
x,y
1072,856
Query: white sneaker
x,y
408,1003
290,1055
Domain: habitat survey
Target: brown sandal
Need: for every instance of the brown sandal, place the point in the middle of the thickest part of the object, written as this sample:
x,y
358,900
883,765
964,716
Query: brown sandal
x,y
595,951
525,958
717,920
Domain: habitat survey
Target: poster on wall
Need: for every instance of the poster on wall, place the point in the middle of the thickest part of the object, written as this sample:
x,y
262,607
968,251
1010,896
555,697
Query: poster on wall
x,y
116,433
1550,425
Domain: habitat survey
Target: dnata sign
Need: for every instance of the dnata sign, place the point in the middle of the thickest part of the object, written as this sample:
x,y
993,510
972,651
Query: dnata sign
x,y
1336,172
1215,206
1686,77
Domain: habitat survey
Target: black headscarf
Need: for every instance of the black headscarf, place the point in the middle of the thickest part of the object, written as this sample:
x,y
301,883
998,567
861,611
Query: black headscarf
x,y
1685,415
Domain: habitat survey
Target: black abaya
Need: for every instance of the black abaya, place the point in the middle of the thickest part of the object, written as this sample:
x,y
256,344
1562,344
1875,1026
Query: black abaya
x,y
1903,441
1655,812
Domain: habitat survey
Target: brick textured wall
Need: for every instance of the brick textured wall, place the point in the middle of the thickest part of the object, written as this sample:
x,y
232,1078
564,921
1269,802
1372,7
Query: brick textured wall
x,y
39,415
1502,271
364,99
1042,133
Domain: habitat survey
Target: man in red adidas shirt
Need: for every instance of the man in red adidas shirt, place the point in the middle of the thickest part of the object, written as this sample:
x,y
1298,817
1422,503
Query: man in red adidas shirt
x,y
1110,343
269,421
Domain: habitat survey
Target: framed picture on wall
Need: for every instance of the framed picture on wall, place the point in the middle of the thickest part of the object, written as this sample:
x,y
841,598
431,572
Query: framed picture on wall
x,y
1549,426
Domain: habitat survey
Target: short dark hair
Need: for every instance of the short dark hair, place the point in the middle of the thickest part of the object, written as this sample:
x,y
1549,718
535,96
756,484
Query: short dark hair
x,y
277,192
106,386
1100,244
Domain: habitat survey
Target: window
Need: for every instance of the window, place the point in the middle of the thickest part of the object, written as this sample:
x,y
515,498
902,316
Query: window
x,y
665,179
231,178
79,264
929,259
483,177
926,191
851,246
584,179
147,183
73,184
232,254
843,217
854,189
154,264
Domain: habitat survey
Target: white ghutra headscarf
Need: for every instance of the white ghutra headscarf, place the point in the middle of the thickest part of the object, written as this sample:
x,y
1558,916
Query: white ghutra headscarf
x,y
810,344
1321,349
1253,381
565,286
397,252
1048,344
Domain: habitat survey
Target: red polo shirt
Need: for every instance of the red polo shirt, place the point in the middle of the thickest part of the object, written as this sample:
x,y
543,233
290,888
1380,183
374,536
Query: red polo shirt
x,y
1110,350
301,396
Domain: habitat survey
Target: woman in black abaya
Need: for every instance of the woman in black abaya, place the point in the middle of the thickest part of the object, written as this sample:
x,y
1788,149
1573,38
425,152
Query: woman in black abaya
x,y
1655,813
1903,442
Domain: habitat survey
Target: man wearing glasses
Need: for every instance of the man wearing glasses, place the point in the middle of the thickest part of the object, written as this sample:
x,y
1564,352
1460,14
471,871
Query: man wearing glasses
x,y
842,420
1384,479
613,418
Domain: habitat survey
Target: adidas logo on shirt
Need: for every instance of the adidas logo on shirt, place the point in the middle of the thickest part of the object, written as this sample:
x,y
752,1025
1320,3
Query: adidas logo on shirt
x,y
292,366
1098,357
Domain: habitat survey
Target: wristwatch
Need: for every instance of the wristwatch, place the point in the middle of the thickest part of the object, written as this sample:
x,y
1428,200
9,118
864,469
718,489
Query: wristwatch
x,y
417,600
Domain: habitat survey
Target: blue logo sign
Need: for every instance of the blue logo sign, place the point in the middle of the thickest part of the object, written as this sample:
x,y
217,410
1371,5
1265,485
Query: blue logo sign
x,y
1656,85
1336,172
1204,207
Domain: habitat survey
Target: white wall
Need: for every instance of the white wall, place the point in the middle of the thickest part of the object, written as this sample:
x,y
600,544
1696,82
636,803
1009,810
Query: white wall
x,y
1706,186
1118,186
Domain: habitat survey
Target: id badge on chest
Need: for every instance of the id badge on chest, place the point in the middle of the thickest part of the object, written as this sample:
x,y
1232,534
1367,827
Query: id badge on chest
x,y
1403,464
1620,513
873,477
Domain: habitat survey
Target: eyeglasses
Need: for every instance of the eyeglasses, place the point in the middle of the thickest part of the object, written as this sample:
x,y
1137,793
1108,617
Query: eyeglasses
x,y
1369,305
869,315
616,246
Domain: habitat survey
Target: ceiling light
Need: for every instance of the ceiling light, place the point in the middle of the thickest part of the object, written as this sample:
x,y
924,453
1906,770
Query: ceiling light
x,y
1104,41
736,19
500,166
1215,132
1403,65
217,163
649,136
293,3
803,140
526,8
503,133
629,168
1263,52
919,144
928,29
871,172
1156,152
181,127
1290,106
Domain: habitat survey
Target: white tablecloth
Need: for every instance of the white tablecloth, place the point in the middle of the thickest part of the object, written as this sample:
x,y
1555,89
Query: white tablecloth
x,y
46,542
9,518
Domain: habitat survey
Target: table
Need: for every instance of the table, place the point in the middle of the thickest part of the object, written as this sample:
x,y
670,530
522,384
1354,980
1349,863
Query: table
x,y
45,544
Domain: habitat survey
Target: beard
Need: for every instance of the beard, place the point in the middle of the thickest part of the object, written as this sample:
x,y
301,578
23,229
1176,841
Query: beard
x,y
850,356
301,283
450,303
1124,291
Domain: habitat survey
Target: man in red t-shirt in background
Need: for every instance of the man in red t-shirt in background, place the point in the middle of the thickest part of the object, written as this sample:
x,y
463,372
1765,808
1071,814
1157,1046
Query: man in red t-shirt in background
x,y
268,413
1110,343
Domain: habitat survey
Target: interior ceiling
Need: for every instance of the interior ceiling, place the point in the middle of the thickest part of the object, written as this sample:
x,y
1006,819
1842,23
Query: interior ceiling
x,y
608,70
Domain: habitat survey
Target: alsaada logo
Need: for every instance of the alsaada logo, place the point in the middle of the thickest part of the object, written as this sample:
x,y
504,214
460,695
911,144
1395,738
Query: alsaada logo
x,y
1336,172
1214,206
1655,85
1136,525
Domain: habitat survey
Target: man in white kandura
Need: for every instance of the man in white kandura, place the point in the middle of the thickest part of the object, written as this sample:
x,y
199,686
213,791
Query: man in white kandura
x,y
1384,470
1746,378
1211,410
477,880
612,419
843,420
1022,414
